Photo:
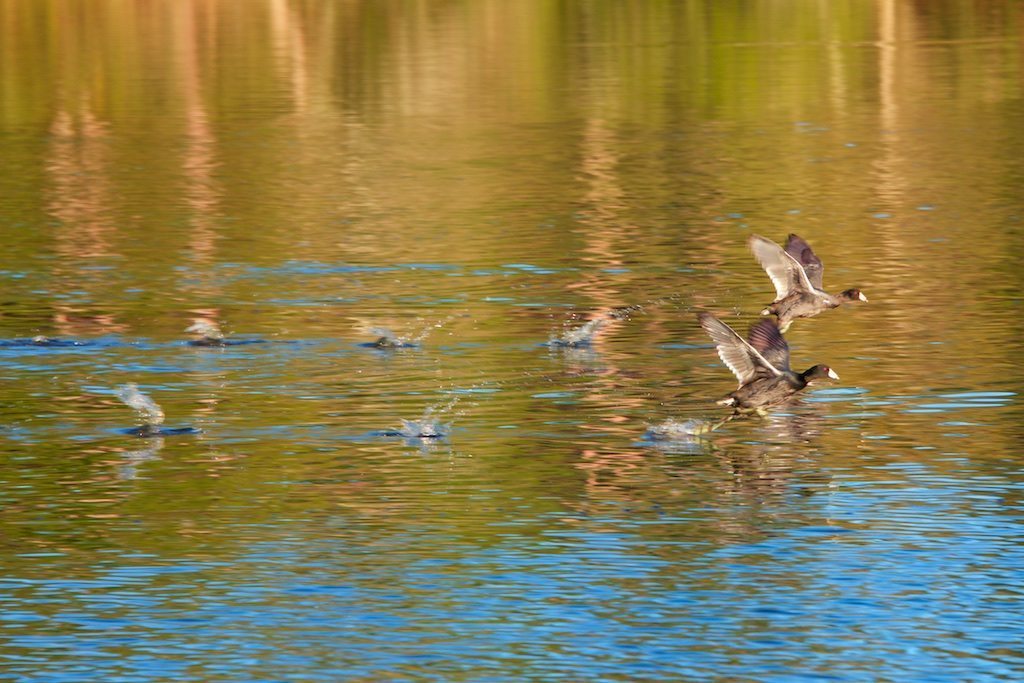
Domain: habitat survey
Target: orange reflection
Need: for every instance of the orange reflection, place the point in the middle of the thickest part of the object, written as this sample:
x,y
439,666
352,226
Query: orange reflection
x,y
202,191
80,197
80,192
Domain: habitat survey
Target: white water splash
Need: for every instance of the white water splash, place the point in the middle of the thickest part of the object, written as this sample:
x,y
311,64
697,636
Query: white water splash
x,y
146,408
429,426
386,339
627,312
206,329
674,430
425,429
431,327
579,336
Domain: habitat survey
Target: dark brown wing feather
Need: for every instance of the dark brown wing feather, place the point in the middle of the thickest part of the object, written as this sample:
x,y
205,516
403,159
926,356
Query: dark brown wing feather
x,y
785,272
744,360
765,337
798,248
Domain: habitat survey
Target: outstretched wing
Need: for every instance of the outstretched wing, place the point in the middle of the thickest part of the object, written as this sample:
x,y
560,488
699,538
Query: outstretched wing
x,y
744,360
798,248
767,340
785,272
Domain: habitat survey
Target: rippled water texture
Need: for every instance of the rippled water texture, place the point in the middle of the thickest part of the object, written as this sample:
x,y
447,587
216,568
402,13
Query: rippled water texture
x,y
451,421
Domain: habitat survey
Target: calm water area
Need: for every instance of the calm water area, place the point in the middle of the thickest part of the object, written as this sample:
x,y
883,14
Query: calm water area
x,y
474,178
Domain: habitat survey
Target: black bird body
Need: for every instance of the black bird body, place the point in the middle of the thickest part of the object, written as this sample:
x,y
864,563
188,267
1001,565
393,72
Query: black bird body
x,y
796,273
760,363
765,392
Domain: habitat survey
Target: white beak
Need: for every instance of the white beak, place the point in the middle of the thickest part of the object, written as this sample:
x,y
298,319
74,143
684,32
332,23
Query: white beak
x,y
832,374
862,297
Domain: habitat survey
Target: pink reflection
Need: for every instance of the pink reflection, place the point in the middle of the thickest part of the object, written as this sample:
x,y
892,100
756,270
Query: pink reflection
x,y
80,193
202,192
80,198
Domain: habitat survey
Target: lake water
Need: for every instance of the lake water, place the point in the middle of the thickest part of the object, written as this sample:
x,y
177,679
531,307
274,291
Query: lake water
x,y
478,178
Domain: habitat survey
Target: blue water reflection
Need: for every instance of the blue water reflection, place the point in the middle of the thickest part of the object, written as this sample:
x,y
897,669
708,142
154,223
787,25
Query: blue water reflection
x,y
598,593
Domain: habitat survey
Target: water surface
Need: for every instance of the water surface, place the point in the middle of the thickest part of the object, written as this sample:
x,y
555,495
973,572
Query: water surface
x,y
478,179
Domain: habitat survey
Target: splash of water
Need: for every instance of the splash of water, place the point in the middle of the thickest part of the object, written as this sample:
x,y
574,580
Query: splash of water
x,y
207,330
581,336
386,339
425,428
627,312
674,430
151,414
429,426
429,329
